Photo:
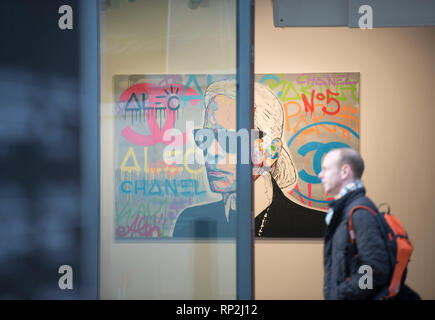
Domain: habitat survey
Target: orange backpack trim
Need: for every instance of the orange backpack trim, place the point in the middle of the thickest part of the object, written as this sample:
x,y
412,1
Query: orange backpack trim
x,y
397,242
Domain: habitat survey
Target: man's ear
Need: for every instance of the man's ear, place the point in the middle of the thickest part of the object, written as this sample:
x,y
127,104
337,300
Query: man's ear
x,y
346,171
275,148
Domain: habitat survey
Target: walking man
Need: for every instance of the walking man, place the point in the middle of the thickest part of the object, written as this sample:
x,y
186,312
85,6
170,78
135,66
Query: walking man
x,y
349,274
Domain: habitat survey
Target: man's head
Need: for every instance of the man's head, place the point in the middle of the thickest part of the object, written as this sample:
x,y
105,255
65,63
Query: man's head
x,y
270,153
268,120
220,118
340,167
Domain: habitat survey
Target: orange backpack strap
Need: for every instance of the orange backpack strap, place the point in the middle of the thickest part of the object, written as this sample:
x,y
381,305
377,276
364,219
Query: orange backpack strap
x,y
351,230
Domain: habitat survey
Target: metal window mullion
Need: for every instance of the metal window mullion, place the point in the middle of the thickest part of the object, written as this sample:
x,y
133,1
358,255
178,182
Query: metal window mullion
x,y
245,103
89,147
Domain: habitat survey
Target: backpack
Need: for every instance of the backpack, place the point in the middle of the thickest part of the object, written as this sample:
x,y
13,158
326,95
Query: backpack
x,y
398,245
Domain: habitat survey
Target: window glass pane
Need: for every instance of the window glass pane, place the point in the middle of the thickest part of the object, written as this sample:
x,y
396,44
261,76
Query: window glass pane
x,y
168,166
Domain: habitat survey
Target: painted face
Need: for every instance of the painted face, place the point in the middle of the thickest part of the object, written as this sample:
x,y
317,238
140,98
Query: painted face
x,y
266,151
330,175
259,154
220,116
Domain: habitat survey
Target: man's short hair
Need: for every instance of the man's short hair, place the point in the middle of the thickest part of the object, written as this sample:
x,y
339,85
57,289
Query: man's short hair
x,y
353,159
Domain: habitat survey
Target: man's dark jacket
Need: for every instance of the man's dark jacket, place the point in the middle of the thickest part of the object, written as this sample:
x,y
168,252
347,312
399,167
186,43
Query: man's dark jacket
x,y
206,221
341,265
287,219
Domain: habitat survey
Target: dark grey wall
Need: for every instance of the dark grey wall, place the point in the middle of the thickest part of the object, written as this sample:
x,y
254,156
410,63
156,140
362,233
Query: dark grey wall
x,y
386,13
40,191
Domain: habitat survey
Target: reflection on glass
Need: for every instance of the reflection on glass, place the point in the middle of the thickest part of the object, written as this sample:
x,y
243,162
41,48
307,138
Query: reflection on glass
x,y
167,227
